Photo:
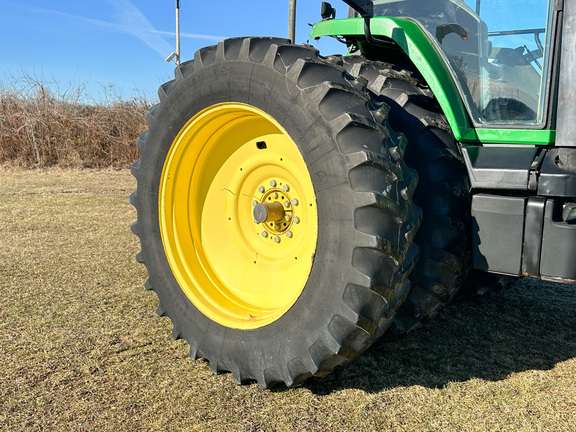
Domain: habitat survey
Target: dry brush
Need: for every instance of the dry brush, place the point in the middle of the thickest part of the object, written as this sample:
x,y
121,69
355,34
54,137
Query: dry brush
x,y
41,127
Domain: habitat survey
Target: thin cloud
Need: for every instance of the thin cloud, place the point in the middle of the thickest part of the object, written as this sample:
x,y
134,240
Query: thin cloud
x,y
191,35
135,23
130,20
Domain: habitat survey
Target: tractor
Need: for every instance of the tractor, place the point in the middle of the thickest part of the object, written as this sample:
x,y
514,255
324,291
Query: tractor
x,y
292,208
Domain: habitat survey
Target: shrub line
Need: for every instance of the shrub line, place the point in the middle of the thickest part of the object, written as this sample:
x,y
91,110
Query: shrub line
x,y
41,129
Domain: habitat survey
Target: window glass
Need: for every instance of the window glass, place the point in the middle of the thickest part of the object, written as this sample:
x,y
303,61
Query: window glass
x,y
497,48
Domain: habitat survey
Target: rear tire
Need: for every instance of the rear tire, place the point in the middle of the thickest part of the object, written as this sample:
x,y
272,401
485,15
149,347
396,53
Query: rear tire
x,y
404,100
240,114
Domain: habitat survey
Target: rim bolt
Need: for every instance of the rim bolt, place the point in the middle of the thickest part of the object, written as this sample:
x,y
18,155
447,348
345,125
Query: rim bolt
x,y
286,187
296,220
256,222
289,234
264,234
254,203
287,218
295,202
286,204
273,183
261,189
277,239
275,195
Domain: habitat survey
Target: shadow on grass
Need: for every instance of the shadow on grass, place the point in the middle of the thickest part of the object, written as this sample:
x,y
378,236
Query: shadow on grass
x,y
531,325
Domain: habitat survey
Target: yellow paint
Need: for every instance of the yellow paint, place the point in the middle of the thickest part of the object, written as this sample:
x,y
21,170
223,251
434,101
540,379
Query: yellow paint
x,y
230,271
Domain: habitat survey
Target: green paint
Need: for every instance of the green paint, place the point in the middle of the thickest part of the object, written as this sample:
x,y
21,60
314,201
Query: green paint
x,y
427,56
421,49
510,136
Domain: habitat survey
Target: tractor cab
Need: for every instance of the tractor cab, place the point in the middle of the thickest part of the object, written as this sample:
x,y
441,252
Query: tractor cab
x,y
498,52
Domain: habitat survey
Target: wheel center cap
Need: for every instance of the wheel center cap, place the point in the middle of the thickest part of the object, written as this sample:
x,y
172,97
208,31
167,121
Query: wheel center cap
x,y
269,212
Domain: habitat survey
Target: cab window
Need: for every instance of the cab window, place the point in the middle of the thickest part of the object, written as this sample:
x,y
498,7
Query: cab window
x,y
498,50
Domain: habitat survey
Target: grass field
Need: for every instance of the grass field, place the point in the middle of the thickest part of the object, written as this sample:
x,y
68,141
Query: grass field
x,y
82,349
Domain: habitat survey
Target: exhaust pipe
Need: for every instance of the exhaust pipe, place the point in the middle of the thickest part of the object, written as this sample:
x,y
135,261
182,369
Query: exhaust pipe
x,y
175,56
178,32
292,21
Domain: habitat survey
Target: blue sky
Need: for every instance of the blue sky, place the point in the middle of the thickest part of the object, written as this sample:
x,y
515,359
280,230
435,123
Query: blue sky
x,y
124,42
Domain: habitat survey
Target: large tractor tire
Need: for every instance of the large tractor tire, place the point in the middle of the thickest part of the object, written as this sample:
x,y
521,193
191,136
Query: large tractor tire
x,y
275,215
405,101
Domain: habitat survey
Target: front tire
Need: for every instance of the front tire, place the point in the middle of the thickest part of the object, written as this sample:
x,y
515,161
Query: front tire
x,y
274,214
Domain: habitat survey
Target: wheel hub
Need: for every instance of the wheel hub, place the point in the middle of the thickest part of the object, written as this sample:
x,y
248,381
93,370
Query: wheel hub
x,y
276,211
269,212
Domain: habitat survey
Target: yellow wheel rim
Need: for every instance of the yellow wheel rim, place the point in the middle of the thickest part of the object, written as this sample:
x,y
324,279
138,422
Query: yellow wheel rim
x,y
238,215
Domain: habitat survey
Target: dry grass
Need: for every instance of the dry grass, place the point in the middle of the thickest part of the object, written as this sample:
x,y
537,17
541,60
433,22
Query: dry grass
x,y
42,127
81,348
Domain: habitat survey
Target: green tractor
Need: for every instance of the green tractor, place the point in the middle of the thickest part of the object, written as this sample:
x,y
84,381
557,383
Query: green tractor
x,y
292,208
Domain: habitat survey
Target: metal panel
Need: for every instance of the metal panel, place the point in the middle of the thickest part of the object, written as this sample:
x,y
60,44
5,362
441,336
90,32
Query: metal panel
x,y
558,173
566,119
558,247
497,233
533,236
499,167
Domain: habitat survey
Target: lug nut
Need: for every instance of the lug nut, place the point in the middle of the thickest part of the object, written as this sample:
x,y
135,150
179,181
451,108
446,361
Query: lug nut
x,y
261,189
273,183
277,239
254,203
295,202
296,220
264,234
289,234
288,218
275,195
286,204
286,187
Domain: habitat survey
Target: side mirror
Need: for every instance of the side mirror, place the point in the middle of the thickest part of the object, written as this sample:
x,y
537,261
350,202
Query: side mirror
x,y
444,30
327,12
